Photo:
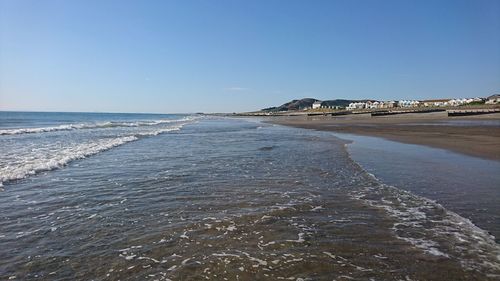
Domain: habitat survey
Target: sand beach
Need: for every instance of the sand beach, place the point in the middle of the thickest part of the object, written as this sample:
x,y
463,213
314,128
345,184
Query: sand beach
x,y
471,135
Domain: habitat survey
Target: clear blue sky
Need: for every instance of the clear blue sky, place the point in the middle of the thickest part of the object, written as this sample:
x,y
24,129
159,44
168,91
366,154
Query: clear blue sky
x,y
220,56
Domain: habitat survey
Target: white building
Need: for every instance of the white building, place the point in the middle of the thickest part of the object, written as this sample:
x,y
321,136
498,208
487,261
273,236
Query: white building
x,y
440,102
458,102
356,105
371,104
408,103
389,104
316,104
494,99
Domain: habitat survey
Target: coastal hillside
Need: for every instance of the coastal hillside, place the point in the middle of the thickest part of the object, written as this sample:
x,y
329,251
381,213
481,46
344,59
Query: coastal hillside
x,y
307,103
292,105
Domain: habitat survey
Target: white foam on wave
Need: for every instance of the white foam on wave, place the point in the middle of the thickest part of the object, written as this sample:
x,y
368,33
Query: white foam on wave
x,y
99,125
60,158
429,226
448,236
65,127
57,158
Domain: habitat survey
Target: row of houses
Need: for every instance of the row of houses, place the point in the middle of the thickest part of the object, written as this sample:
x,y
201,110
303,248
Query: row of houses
x,y
319,104
380,104
451,102
373,104
425,103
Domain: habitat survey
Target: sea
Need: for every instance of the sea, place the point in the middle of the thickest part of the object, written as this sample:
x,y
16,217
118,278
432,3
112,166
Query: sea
x,y
107,196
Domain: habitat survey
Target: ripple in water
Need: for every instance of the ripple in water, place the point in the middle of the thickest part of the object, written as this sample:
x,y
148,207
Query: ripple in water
x,y
220,199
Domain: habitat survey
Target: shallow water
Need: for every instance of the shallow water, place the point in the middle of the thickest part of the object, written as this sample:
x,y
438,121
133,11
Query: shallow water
x,y
467,185
221,199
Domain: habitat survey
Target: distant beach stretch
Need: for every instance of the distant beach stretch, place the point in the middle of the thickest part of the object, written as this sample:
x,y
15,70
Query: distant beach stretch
x,y
477,135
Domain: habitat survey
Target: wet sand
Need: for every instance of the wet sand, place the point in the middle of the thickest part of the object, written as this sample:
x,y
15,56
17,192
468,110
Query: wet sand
x,y
477,136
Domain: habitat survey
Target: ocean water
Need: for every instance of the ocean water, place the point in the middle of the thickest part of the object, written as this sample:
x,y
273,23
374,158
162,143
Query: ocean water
x,y
187,197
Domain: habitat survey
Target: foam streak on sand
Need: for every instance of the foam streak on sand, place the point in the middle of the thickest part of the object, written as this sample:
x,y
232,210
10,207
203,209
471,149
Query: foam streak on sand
x,y
430,227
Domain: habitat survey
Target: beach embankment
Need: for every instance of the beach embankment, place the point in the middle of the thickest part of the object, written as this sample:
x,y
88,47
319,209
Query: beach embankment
x,y
476,135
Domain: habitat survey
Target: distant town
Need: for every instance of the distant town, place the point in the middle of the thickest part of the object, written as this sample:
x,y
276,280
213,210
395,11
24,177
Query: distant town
x,y
315,106
416,103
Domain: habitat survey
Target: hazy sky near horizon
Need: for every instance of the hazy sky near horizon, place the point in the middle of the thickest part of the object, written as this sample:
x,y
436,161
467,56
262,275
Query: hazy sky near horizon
x,y
223,56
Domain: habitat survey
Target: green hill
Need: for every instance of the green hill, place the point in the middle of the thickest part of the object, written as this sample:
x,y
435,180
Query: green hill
x,y
307,103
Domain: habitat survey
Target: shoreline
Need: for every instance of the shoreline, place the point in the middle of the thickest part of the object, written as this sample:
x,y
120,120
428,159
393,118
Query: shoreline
x,y
476,136
417,169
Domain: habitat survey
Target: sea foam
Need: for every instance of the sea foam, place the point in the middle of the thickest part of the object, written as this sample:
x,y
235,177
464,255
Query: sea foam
x,y
54,159
98,125
430,227
60,158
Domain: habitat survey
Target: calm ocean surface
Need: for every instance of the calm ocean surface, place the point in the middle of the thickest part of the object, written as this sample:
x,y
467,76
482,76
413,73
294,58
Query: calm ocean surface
x,y
88,196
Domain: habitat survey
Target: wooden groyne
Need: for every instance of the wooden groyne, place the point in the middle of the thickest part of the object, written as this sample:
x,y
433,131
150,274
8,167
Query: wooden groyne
x,y
329,113
467,112
394,112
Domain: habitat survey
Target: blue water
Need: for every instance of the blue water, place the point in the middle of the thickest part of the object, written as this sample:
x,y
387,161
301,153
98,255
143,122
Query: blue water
x,y
188,197
35,142
13,119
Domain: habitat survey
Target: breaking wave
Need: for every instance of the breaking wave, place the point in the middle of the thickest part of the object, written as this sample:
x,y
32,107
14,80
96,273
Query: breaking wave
x,y
108,124
54,159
